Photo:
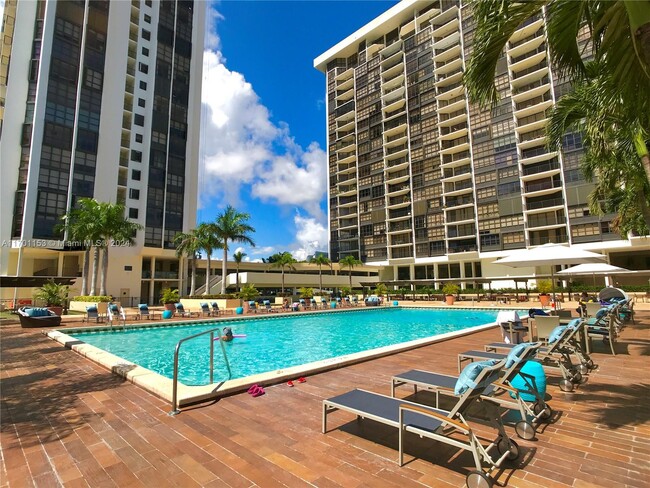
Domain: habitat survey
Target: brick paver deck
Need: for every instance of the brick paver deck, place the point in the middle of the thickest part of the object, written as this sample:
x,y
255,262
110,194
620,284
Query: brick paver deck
x,y
68,422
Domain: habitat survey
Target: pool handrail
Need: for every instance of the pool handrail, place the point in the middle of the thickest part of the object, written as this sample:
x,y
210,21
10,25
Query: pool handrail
x,y
175,409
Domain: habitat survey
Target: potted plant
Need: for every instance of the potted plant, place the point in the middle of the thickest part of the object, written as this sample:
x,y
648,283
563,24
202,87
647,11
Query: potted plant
x,y
170,298
450,290
246,293
54,295
544,287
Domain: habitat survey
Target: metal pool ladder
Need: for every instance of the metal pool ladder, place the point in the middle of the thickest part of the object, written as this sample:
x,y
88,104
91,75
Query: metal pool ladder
x,y
175,409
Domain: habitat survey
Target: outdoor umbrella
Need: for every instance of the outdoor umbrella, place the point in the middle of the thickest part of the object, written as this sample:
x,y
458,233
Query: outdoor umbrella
x,y
593,269
549,255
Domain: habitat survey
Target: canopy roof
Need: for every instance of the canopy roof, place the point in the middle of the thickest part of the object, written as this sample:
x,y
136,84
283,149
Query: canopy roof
x,y
549,254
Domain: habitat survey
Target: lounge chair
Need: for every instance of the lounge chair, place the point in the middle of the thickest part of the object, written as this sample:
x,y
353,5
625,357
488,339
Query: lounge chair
x,y
38,317
323,303
606,328
544,326
448,427
593,308
115,314
557,356
252,306
267,307
205,310
91,313
303,304
501,392
143,310
181,312
102,310
312,301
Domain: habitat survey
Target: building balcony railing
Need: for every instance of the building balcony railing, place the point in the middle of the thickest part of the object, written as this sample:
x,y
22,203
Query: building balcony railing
x,y
530,70
532,102
532,135
526,39
549,202
545,185
527,55
165,275
544,220
540,167
531,86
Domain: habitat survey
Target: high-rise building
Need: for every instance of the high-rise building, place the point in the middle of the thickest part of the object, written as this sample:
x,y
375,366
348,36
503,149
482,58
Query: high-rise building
x,y
432,186
100,99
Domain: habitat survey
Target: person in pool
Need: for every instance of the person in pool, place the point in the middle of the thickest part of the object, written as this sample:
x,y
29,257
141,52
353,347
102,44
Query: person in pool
x,y
227,334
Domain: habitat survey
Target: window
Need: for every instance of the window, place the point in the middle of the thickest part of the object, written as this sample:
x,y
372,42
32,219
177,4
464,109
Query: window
x,y
145,51
134,194
147,18
143,85
141,102
147,3
133,213
138,138
135,174
146,35
138,120
136,156
143,68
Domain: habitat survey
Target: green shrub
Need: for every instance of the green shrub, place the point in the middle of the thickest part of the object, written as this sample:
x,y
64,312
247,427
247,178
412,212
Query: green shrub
x,y
450,289
218,295
306,292
92,298
248,292
170,296
544,287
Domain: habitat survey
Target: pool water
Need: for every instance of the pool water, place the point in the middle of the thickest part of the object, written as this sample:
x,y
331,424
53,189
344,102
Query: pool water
x,y
276,342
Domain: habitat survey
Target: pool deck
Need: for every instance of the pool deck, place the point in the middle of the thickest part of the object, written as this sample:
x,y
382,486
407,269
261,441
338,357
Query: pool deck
x,y
67,421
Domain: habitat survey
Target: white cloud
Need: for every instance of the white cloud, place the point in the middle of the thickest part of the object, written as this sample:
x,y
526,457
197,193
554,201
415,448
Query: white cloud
x,y
311,236
242,146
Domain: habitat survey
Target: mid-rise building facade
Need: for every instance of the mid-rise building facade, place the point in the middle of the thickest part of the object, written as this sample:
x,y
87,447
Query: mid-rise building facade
x,y
432,186
100,99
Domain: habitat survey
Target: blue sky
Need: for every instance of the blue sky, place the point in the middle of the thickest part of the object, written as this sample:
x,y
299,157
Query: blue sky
x,y
264,136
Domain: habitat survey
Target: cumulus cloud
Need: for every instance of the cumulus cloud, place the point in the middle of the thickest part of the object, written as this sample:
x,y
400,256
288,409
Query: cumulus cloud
x,y
311,236
241,146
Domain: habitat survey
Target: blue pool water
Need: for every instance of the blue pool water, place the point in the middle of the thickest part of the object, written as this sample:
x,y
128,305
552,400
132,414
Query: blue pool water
x,y
277,342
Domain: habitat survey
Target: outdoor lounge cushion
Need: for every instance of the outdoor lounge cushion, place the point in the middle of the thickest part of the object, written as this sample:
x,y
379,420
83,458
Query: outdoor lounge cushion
x,y
37,312
91,309
536,311
556,333
469,374
514,356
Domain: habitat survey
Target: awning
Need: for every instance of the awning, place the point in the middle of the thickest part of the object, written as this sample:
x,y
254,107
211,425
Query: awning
x,y
34,281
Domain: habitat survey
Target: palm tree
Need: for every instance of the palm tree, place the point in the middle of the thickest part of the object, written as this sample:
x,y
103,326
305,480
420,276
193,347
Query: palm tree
x,y
232,225
113,226
188,244
611,157
283,260
238,257
625,58
80,225
349,262
320,260
208,242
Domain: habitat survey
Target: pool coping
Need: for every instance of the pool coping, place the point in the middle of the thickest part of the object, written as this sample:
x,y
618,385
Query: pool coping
x,y
162,386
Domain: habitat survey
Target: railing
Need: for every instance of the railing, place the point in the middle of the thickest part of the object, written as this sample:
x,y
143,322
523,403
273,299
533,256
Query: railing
x,y
531,86
540,168
551,202
175,409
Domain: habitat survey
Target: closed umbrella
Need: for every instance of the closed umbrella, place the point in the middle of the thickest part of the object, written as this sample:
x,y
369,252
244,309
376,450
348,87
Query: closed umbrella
x,y
549,255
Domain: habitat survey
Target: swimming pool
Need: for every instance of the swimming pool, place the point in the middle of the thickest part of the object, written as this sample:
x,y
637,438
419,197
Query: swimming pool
x,y
276,342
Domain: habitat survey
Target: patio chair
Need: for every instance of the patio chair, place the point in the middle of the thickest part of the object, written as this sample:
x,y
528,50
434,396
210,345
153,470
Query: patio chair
x,y
501,391
303,304
252,306
267,307
38,317
181,312
448,427
323,303
608,330
102,310
205,310
91,313
313,303
143,310
115,314
544,326
562,343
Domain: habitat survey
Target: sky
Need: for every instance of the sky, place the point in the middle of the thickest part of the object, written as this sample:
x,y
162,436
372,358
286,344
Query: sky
x,y
263,141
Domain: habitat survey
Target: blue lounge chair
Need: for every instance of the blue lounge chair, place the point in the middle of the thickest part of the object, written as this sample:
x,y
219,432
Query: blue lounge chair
x,y
180,311
144,312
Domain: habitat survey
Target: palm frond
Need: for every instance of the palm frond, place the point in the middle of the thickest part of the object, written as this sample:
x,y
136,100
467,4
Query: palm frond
x,y
564,21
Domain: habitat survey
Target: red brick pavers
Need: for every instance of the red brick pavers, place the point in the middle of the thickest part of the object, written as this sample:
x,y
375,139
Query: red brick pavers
x,y
69,422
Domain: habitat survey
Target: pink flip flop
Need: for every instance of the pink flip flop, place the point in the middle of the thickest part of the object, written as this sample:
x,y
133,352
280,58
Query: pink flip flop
x,y
259,392
253,389
301,379
289,383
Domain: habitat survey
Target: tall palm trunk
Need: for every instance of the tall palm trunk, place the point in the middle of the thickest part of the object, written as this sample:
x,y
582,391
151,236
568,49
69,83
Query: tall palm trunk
x,y
224,267
207,277
642,151
84,273
282,280
102,285
320,278
350,275
193,278
93,278
237,277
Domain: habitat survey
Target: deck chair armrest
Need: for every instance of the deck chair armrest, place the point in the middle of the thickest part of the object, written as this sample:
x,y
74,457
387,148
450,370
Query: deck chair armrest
x,y
443,418
503,386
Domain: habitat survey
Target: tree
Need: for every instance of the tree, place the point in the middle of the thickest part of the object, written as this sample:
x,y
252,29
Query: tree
x,y
611,158
349,262
620,37
283,260
208,242
113,226
232,225
320,260
79,224
238,257
189,244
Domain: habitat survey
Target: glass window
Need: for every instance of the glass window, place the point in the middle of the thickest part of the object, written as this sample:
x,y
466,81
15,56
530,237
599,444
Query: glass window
x,y
134,194
145,51
146,35
133,213
141,102
135,174
138,138
138,120
143,85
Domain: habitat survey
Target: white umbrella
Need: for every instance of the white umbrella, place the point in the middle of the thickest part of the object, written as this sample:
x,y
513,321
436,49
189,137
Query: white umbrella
x,y
593,269
549,255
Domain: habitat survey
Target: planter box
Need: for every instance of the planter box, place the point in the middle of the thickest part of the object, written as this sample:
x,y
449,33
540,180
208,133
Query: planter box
x,y
194,304
80,306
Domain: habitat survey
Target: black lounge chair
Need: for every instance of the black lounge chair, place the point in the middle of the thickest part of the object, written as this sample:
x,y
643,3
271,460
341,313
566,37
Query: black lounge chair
x,y
38,317
448,427
500,391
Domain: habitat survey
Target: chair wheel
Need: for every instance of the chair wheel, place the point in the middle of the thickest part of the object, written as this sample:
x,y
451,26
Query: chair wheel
x,y
525,430
478,479
590,364
575,377
511,446
566,385
544,409
583,369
